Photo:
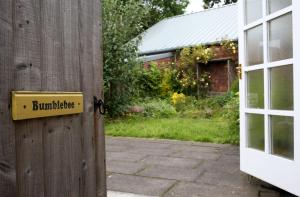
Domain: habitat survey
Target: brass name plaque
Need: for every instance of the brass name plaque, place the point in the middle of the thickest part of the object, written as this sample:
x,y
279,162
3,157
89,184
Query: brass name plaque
x,y
28,105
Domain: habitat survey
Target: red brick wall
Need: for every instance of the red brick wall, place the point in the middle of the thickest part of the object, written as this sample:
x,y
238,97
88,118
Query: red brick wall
x,y
221,53
221,79
219,75
160,62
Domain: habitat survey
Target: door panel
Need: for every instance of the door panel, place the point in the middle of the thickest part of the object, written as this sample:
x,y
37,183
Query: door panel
x,y
254,44
282,136
253,10
281,88
255,89
275,5
270,91
255,131
280,38
51,46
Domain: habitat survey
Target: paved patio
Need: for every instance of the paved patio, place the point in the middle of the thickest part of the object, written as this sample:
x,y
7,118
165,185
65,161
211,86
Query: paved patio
x,y
143,167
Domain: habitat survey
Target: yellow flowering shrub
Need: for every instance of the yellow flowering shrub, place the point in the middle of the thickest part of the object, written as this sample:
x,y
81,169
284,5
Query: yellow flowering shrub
x,y
192,55
168,74
178,98
187,76
231,46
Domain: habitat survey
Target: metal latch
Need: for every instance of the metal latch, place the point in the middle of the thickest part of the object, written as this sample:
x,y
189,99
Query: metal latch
x,y
99,105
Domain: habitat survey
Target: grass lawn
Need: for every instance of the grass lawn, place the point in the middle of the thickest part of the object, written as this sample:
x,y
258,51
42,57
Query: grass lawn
x,y
204,130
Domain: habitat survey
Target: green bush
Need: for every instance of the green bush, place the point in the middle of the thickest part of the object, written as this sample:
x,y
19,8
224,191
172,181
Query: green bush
x,y
149,81
156,81
209,107
232,113
190,107
222,100
157,108
206,113
169,82
121,24
235,86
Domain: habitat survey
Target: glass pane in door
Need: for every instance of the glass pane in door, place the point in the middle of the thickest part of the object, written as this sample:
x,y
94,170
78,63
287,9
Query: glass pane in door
x,y
253,10
254,46
256,131
282,97
282,133
281,38
275,5
255,89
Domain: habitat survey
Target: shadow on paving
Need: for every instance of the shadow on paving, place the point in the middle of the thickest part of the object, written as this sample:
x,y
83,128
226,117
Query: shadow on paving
x,y
179,169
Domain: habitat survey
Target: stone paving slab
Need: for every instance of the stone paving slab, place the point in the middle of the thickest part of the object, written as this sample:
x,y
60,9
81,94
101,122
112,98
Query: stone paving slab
x,y
152,151
138,184
228,164
159,142
217,178
179,174
193,147
123,194
123,167
149,144
134,142
124,156
212,155
231,150
171,168
171,161
116,148
187,189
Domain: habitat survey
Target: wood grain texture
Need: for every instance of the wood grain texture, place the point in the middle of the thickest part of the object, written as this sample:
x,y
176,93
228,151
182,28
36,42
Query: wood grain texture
x,y
59,131
7,132
6,11
51,46
98,82
27,76
86,23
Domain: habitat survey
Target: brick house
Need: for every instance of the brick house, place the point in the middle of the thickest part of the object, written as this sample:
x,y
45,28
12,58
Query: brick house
x,y
161,42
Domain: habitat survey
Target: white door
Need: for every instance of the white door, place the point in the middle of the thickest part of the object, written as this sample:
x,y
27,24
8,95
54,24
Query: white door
x,y
270,91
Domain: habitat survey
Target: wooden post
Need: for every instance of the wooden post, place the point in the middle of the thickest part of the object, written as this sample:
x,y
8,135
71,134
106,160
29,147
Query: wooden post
x,y
228,75
51,46
197,76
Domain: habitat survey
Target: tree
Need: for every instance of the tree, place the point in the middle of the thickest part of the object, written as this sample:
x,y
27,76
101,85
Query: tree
x,y
160,9
212,3
122,22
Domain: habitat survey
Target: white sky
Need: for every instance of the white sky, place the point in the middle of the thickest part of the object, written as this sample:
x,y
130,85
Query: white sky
x,y
194,6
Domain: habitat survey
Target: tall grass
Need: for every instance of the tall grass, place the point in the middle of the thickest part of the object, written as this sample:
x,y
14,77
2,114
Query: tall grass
x,y
204,130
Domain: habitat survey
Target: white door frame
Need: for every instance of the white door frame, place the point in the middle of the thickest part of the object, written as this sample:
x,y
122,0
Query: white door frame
x,y
278,171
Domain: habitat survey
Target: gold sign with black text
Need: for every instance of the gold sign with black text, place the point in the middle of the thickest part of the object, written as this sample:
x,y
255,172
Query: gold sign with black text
x,y
28,105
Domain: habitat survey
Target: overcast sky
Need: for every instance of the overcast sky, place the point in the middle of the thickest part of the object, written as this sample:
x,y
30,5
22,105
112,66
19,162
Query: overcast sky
x,y
194,6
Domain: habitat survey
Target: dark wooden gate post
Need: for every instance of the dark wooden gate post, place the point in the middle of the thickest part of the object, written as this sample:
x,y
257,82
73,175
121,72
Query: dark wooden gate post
x,y
51,46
